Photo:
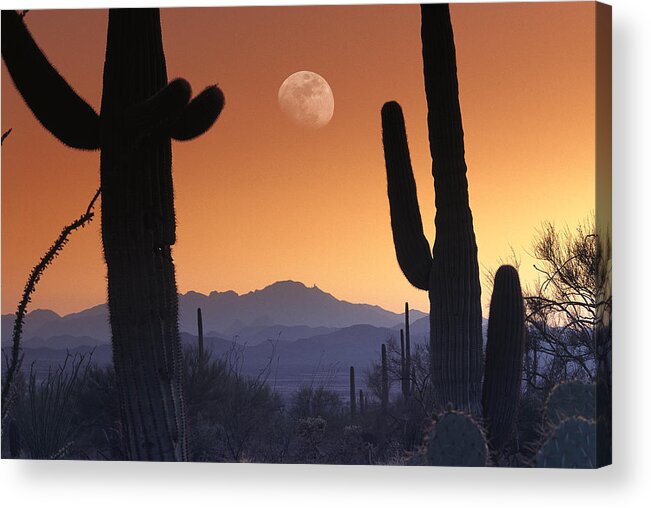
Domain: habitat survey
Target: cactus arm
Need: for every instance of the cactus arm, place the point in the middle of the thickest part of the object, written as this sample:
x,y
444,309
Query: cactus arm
x,y
504,352
199,115
54,103
412,248
161,110
442,90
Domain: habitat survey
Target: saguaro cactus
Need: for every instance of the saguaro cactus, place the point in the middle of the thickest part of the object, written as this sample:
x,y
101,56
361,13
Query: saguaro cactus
x,y
403,373
406,390
199,331
353,409
140,113
385,382
450,272
504,353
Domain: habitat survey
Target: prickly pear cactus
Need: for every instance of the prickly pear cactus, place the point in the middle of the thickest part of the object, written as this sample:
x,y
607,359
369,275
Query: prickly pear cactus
x,y
456,440
573,399
572,444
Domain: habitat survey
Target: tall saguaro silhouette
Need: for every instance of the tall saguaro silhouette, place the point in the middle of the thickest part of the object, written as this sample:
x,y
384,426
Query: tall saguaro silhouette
x,y
450,272
140,113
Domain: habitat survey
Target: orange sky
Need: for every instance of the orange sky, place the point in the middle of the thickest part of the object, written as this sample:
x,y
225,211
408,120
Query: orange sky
x,y
259,199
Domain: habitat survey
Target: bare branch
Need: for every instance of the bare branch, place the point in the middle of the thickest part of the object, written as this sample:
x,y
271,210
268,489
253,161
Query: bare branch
x,y
30,287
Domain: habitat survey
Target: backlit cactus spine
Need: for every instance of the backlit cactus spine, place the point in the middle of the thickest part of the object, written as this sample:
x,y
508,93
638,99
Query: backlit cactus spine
x,y
140,113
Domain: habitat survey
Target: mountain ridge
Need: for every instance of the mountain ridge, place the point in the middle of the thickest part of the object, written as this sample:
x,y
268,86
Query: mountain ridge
x,y
289,307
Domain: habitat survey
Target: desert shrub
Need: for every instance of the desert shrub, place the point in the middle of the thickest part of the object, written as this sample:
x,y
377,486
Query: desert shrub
x,y
310,401
229,413
47,416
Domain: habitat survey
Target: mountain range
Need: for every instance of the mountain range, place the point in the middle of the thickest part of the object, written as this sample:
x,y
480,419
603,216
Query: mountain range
x,y
299,335
284,310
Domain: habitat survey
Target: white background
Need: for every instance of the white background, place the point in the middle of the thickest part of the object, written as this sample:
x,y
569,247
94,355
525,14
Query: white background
x,y
627,483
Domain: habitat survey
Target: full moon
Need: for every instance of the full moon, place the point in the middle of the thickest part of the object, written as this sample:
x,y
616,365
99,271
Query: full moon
x,y
306,98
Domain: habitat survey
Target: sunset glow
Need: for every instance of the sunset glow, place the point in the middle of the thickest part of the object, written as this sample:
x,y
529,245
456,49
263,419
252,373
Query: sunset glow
x,y
260,199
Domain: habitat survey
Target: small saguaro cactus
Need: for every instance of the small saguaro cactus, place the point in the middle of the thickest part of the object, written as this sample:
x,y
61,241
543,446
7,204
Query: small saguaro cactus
x,y
505,345
353,409
362,405
406,387
199,331
403,372
450,272
140,113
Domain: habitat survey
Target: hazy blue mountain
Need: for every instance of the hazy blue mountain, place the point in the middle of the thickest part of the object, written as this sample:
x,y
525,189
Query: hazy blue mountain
x,y
285,303
253,335
291,356
61,342
321,359
286,310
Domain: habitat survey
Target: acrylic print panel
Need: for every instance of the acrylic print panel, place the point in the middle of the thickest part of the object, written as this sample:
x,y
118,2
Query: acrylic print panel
x,y
384,236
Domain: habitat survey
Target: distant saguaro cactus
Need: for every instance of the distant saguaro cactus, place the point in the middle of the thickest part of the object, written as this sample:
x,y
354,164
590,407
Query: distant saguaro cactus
x,y
403,372
450,273
353,400
140,113
406,381
199,331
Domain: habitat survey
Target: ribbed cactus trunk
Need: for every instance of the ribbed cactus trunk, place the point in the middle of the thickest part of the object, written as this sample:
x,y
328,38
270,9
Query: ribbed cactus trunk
x,y
138,229
451,272
140,114
353,393
455,293
504,355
